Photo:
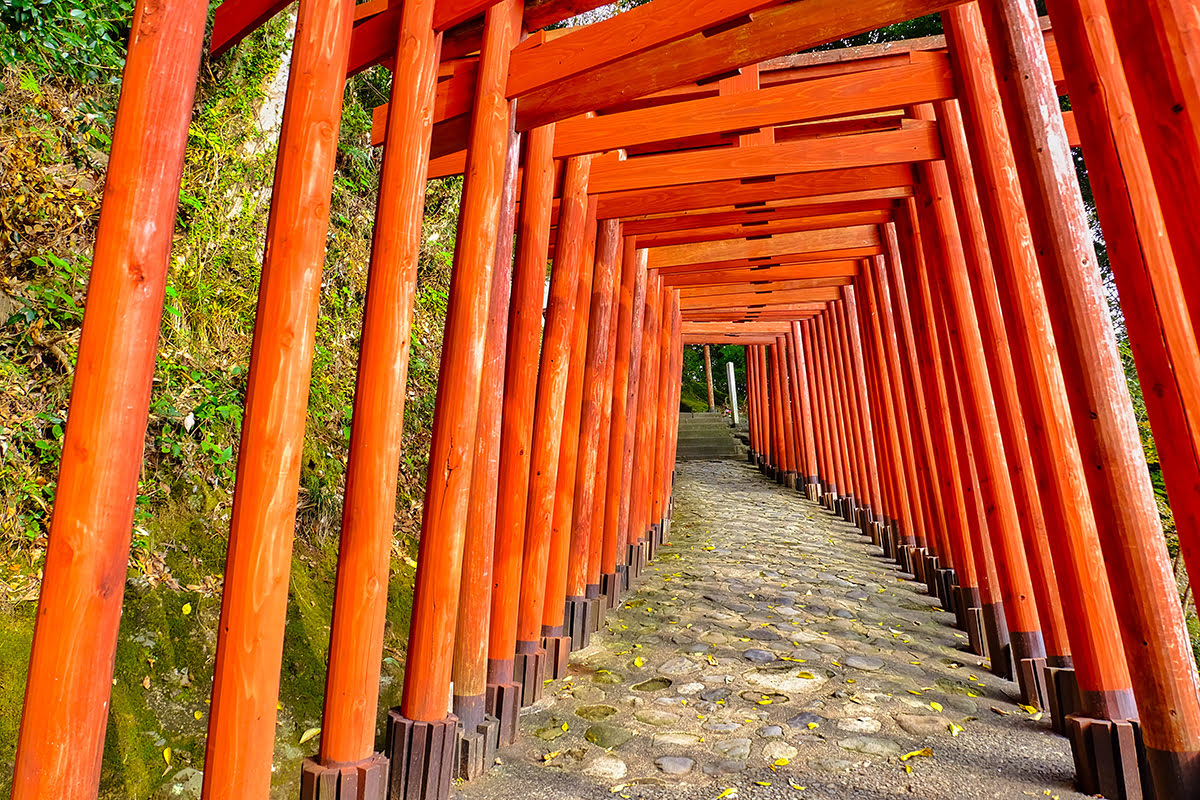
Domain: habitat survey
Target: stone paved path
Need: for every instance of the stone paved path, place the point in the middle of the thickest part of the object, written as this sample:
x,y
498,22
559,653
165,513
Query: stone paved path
x,y
771,652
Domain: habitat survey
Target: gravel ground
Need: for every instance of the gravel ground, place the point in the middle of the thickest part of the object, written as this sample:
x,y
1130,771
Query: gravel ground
x,y
771,652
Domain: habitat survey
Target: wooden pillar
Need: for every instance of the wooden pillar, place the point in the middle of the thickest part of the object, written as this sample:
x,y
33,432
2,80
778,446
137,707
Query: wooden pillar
x,y
1005,388
582,592
676,383
779,453
1147,236
1130,532
868,477
663,415
803,468
469,673
788,426
912,529
850,321
451,455
79,607
816,397
844,400
708,377
528,665
636,319
612,428
841,477
1012,567
800,370
639,514
1098,657
557,637
934,515
958,557
376,435
241,727
751,401
516,430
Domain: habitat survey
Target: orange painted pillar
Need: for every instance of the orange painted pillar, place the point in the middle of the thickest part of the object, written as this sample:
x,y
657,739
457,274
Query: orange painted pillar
x,y
820,435
1009,406
79,608
912,530
841,470
583,609
529,662
957,575
841,400
821,410
754,389
808,425
785,405
779,462
241,727
848,379
675,382
557,638
991,459
854,342
643,454
1130,531
368,512
602,561
661,400
1100,670
988,595
708,378
516,429
751,420
887,491
1148,169
898,518
933,513
469,673
632,319
421,724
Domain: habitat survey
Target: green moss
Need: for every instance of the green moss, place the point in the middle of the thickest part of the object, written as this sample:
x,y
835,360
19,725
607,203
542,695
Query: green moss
x,y
16,637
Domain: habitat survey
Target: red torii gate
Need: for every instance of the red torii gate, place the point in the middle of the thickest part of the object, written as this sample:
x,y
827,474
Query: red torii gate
x,y
824,210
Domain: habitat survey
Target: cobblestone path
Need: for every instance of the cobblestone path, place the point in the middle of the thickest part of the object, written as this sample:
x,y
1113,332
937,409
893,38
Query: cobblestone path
x,y
771,652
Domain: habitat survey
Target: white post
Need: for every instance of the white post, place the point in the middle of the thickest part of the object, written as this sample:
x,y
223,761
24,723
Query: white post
x,y
732,391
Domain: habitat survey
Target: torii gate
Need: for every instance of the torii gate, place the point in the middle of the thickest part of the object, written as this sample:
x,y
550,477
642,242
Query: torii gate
x,y
893,232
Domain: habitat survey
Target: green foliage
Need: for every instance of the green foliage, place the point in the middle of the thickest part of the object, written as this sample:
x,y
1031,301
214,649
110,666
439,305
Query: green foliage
x,y
80,40
694,394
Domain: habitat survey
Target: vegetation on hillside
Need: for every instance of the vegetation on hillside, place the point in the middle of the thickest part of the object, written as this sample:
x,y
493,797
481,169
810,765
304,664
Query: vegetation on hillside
x,y
60,84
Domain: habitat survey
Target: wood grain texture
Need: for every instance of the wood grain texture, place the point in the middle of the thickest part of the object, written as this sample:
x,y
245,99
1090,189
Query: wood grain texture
x,y
798,242
920,142
852,93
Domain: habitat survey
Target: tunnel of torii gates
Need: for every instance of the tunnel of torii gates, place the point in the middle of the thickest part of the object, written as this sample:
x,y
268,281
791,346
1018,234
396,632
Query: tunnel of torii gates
x,y
894,232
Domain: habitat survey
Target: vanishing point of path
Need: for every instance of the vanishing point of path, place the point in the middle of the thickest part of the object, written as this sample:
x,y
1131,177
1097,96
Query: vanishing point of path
x,y
771,652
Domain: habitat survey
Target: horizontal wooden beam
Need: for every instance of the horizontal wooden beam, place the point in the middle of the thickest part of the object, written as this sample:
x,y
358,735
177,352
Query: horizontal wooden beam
x,y
913,143
783,259
543,63
890,181
790,272
772,32
926,79
737,216
750,287
787,243
762,299
690,327
763,227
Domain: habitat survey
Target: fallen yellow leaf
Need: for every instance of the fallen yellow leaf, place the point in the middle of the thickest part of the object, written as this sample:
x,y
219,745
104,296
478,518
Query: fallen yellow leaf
x,y
309,734
167,755
925,752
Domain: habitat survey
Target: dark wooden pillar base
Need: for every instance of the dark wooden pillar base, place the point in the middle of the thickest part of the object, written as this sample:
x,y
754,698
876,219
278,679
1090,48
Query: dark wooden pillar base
x,y
876,533
476,750
947,581
1062,694
1173,775
929,568
503,702
365,780
529,669
598,606
634,560
969,613
651,540
421,756
752,456
1031,678
1110,759
558,655
895,539
904,557
999,649
620,584
916,563
610,587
